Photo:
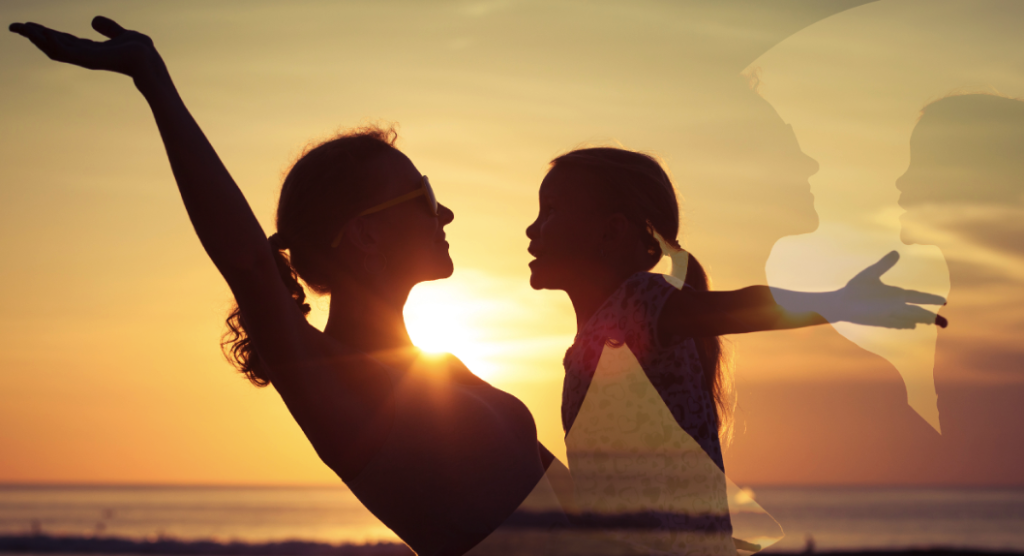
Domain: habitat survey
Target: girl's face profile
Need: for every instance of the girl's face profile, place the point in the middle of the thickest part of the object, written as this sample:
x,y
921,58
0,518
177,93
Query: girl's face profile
x,y
965,173
565,237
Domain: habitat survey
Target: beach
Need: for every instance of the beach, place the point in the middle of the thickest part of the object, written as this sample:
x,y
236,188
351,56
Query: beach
x,y
96,519
79,545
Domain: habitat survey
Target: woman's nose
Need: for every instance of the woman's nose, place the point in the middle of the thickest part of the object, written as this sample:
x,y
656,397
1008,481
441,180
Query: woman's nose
x,y
812,165
445,214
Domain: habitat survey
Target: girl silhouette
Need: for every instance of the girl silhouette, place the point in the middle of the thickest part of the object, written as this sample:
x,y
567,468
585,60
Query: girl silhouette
x,y
644,398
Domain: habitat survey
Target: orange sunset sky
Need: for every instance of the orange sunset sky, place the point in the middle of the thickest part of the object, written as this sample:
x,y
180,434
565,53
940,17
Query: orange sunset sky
x,y
785,126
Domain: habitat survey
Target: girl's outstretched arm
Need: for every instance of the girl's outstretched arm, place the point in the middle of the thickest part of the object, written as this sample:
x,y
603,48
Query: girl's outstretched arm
x,y
219,212
864,300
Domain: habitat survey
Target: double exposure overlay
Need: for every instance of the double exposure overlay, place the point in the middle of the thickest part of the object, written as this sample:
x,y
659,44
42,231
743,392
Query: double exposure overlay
x,y
686,278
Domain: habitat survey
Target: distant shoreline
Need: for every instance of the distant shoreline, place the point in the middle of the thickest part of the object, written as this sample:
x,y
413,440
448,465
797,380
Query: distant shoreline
x,y
73,485
46,544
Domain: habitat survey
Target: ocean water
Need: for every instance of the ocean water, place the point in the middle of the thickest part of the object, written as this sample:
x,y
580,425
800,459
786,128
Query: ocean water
x,y
225,514
836,518
881,518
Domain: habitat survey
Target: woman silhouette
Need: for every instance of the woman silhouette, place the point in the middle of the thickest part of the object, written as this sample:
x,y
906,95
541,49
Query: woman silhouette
x,y
964,193
441,457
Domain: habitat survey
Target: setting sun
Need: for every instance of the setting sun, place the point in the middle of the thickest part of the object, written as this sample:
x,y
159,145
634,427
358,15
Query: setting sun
x,y
444,317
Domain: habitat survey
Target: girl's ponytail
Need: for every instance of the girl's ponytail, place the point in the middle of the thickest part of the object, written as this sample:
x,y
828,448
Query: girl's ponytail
x,y
709,349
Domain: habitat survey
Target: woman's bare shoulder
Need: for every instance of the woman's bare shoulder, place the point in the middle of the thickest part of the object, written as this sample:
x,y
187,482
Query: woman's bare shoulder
x,y
341,398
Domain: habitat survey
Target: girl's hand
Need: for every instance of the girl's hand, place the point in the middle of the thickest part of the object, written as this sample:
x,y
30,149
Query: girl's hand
x,y
866,300
127,52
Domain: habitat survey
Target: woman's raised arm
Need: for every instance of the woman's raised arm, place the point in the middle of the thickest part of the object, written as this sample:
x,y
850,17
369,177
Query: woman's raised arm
x,y
226,226
219,212
864,300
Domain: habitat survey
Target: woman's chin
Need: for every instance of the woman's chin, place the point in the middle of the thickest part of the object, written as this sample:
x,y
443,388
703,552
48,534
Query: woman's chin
x,y
445,269
914,232
432,269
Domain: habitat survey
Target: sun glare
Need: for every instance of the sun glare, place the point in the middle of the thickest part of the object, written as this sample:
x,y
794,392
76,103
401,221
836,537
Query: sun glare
x,y
441,317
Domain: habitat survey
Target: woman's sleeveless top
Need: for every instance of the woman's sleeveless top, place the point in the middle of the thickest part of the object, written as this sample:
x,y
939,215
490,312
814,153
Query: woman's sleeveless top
x,y
415,501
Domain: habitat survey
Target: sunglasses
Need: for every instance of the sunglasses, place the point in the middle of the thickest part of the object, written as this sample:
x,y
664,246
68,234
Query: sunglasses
x,y
424,191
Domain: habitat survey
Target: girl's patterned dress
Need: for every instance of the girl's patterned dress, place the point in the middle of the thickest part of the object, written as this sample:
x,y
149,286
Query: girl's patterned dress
x,y
642,435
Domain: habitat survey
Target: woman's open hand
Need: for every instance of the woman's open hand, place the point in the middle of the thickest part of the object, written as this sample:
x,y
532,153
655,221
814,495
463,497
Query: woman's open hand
x,y
127,52
866,300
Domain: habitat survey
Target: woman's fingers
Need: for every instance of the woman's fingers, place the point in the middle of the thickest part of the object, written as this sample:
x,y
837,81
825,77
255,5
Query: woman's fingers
x,y
52,43
40,36
31,31
125,52
107,27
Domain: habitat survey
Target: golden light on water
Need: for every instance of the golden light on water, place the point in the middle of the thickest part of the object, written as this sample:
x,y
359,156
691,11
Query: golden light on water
x,y
744,495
